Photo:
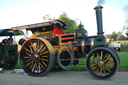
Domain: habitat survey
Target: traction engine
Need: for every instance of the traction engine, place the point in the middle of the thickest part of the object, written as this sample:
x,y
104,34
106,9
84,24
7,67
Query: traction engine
x,y
49,46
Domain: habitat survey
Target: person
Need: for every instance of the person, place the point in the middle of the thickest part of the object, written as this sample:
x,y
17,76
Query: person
x,y
35,34
10,40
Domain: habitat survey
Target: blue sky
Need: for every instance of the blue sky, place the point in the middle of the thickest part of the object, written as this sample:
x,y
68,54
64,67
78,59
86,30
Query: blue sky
x,y
22,12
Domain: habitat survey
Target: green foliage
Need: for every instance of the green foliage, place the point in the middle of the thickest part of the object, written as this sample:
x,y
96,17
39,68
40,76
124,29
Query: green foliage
x,y
47,17
71,24
127,34
114,36
124,47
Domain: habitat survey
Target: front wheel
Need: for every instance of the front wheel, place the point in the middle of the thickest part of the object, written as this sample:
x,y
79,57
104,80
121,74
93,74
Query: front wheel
x,y
102,63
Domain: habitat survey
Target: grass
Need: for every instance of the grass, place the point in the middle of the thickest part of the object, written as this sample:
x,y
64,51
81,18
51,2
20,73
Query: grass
x,y
81,66
123,61
18,65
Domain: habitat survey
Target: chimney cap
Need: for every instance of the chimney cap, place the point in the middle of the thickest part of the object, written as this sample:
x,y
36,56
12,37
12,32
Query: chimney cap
x,y
98,7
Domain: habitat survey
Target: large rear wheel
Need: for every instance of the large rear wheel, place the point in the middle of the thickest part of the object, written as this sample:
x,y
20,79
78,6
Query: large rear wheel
x,y
37,57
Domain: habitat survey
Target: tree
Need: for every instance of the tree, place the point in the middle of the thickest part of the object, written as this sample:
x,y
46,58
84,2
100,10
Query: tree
x,y
125,29
47,17
114,36
127,34
71,24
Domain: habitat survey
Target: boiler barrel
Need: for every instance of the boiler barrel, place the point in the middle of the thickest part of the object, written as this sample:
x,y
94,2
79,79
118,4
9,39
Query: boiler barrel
x,y
85,46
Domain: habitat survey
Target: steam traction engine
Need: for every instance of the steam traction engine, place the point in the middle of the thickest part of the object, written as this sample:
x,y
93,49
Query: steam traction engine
x,y
8,49
49,46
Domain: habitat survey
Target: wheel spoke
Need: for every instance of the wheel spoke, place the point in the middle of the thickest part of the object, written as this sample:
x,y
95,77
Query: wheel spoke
x,y
31,48
101,71
104,71
93,64
101,55
94,68
106,60
29,63
44,56
107,68
29,60
37,66
44,59
38,45
28,53
34,46
44,53
97,54
42,66
94,59
27,50
40,48
97,70
31,44
110,62
105,56
33,67
30,67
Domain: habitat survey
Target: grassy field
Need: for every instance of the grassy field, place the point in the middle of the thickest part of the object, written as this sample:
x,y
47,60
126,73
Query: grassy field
x,y
81,65
123,61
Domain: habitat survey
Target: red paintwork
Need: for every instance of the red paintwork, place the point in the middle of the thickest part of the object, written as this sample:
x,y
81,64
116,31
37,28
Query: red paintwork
x,y
56,31
67,38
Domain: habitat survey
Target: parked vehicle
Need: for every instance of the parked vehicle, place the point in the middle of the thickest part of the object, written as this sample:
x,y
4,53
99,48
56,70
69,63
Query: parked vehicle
x,y
8,49
115,45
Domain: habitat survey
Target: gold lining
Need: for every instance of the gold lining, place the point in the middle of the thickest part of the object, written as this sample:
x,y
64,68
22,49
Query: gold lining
x,y
92,43
83,46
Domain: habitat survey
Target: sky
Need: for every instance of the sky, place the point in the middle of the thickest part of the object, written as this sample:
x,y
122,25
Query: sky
x,y
22,12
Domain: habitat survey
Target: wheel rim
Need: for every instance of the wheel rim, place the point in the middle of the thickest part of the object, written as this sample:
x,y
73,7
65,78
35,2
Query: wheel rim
x,y
101,64
35,57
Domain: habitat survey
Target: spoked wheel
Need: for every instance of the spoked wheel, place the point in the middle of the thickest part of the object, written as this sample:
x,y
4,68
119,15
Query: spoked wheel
x,y
37,57
65,59
102,63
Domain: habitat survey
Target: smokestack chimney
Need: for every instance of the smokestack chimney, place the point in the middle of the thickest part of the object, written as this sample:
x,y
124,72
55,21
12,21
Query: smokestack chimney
x,y
98,10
